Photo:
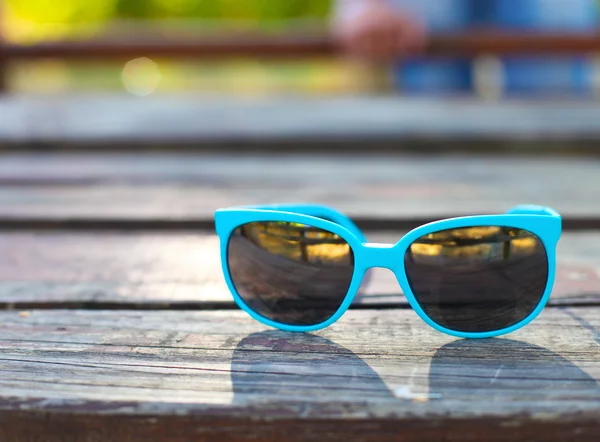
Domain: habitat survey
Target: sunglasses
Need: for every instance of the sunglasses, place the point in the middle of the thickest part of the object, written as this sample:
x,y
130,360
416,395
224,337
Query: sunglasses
x,y
298,267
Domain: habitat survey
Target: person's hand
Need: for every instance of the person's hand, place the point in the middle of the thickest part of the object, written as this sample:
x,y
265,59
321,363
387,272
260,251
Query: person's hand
x,y
378,32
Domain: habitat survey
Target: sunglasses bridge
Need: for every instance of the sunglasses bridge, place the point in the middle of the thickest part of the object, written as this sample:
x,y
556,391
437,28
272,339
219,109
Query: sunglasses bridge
x,y
380,255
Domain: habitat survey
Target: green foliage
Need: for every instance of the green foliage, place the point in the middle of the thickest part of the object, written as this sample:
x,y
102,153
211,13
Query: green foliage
x,y
61,11
256,11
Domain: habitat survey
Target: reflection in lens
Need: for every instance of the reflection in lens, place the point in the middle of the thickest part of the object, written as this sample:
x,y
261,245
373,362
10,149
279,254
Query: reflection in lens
x,y
290,273
477,279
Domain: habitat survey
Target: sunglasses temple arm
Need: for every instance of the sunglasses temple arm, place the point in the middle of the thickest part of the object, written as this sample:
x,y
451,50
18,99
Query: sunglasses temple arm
x,y
318,211
527,209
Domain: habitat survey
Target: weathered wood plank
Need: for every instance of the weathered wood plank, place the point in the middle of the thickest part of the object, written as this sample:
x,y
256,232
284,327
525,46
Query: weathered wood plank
x,y
191,187
204,120
221,374
182,270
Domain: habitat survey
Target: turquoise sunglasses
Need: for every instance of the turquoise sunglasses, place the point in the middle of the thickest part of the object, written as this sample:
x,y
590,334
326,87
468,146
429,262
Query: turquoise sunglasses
x,y
298,267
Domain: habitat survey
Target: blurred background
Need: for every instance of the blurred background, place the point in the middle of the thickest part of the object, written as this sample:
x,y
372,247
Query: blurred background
x,y
317,69
29,22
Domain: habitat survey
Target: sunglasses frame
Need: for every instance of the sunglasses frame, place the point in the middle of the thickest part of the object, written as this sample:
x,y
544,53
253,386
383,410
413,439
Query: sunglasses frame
x,y
544,222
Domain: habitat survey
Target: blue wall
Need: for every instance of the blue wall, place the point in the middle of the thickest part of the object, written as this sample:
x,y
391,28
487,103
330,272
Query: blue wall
x,y
523,74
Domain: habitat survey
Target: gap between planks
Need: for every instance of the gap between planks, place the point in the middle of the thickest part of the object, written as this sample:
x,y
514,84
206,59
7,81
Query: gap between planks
x,y
204,225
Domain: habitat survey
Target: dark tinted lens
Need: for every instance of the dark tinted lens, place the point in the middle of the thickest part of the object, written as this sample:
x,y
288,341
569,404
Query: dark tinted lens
x,y
290,273
477,279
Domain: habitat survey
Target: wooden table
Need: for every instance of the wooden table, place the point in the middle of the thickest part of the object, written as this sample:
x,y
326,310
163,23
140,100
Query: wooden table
x,y
116,324
347,123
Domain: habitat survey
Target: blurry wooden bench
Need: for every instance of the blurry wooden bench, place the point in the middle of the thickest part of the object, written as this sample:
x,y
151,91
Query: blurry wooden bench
x,y
116,324
123,46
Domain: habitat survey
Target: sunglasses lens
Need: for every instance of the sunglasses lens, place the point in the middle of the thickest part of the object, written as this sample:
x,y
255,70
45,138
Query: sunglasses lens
x,y
477,279
290,273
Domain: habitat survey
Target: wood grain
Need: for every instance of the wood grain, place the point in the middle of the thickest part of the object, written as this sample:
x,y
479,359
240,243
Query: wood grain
x,y
299,123
188,188
171,376
124,371
182,270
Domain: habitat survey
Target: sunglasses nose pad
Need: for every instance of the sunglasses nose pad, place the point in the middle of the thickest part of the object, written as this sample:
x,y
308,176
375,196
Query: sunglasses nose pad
x,y
366,282
380,286
365,287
